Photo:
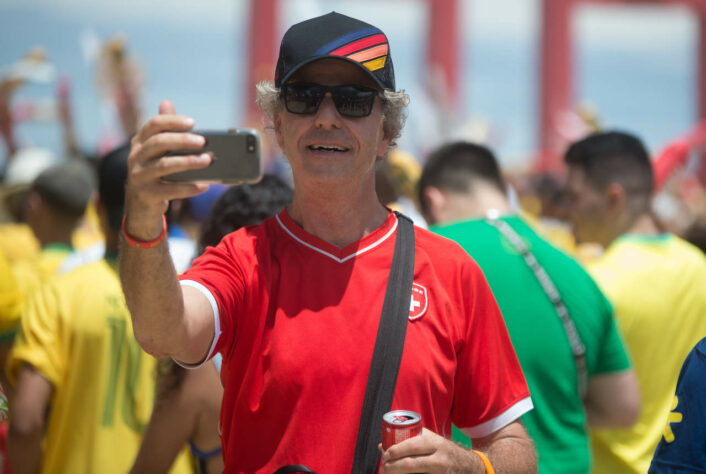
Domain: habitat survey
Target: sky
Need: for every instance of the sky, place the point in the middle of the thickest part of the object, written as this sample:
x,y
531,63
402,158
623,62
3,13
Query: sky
x,y
635,66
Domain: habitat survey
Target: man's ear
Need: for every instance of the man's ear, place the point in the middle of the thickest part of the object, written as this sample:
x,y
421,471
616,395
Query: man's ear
x,y
435,201
615,198
34,202
277,124
384,147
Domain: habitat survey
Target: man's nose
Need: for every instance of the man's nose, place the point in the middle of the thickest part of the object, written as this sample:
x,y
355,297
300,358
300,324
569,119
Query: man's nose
x,y
327,116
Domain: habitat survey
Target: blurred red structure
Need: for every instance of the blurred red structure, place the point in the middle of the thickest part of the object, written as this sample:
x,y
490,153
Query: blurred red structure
x,y
676,154
262,50
556,81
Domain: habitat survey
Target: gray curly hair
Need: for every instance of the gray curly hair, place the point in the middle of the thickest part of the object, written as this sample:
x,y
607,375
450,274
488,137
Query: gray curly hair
x,y
394,107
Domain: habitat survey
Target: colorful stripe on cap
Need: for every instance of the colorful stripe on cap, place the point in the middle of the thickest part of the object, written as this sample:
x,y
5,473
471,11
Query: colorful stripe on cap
x,y
367,46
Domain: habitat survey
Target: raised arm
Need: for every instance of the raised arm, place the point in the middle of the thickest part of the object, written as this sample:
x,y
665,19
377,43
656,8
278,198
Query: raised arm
x,y
167,320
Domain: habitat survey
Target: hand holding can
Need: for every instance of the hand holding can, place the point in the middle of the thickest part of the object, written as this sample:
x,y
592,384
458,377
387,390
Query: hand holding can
x,y
399,425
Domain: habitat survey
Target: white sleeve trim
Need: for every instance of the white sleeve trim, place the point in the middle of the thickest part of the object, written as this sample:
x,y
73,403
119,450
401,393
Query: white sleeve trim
x,y
216,322
502,420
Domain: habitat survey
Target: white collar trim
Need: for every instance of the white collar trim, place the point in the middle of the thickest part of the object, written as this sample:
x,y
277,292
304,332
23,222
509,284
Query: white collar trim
x,y
331,256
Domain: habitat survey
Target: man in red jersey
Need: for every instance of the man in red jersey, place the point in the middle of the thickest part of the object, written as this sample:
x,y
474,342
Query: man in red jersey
x,y
293,304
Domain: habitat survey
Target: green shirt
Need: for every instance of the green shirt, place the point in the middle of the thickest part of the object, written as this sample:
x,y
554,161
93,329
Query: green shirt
x,y
558,422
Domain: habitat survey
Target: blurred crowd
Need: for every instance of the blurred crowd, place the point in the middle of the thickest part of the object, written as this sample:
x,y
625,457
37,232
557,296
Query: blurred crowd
x,y
620,232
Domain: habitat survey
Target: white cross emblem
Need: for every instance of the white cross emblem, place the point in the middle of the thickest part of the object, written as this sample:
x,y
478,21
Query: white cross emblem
x,y
418,302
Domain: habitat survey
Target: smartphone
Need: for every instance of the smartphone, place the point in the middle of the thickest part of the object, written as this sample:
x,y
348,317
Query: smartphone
x,y
236,157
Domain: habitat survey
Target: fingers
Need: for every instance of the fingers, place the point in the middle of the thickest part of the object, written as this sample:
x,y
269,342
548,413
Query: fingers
x,y
147,194
427,452
163,123
166,107
409,464
422,445
158,145
160,135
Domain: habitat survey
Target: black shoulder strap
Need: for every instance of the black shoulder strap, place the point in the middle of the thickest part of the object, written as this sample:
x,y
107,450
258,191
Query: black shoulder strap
x,y
387,354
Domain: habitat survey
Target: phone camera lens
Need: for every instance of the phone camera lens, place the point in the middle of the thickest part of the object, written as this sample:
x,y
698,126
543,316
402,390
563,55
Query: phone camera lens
x,y
251,143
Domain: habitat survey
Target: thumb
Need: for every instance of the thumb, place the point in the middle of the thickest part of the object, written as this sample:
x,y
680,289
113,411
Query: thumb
x,y
166,107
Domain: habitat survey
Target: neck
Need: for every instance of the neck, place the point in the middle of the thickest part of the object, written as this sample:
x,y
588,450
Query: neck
x,y
487,203
644,225
475,205
338,213
54,234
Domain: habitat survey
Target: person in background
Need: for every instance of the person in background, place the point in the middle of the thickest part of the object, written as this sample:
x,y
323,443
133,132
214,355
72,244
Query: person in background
x,y
182,245
654,280
4,454
681,448
54,205
696,234
293,304
10,308
539,200
84,389
396,177
17,241
188,401
463,195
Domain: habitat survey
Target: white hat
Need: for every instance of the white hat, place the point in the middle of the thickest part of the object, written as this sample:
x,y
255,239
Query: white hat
x,y
26,164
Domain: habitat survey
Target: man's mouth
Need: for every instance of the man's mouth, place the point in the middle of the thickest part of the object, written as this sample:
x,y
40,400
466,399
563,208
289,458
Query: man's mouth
x,y
329,148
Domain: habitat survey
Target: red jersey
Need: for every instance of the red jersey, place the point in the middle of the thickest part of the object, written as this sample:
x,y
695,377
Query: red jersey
x,y
296,320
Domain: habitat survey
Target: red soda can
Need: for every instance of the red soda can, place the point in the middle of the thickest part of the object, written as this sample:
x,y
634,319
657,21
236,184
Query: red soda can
x,y
398,426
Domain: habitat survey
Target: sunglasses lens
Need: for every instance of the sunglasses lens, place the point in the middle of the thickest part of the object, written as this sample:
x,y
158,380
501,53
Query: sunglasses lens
x,y
353,101
350,101
302,98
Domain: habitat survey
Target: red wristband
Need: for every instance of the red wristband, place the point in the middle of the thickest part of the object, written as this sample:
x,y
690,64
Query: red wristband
x,y
486,462
139,244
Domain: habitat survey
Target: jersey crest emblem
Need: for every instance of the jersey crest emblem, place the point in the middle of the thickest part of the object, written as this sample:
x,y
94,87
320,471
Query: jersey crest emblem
x,y
418,303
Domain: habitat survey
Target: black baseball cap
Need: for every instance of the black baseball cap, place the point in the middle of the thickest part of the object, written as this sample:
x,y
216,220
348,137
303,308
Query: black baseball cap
x,y
336,36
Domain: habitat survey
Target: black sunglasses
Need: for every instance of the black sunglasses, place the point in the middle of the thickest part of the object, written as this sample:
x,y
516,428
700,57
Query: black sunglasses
x,y
350,100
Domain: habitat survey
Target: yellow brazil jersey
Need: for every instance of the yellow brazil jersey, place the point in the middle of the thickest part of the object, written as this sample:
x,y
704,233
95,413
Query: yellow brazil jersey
x,y
17,242
10,297
88,232
28,274
657,285
76,331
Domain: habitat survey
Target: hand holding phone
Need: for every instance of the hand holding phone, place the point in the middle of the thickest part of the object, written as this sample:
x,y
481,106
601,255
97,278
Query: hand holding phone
x,y
236,157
